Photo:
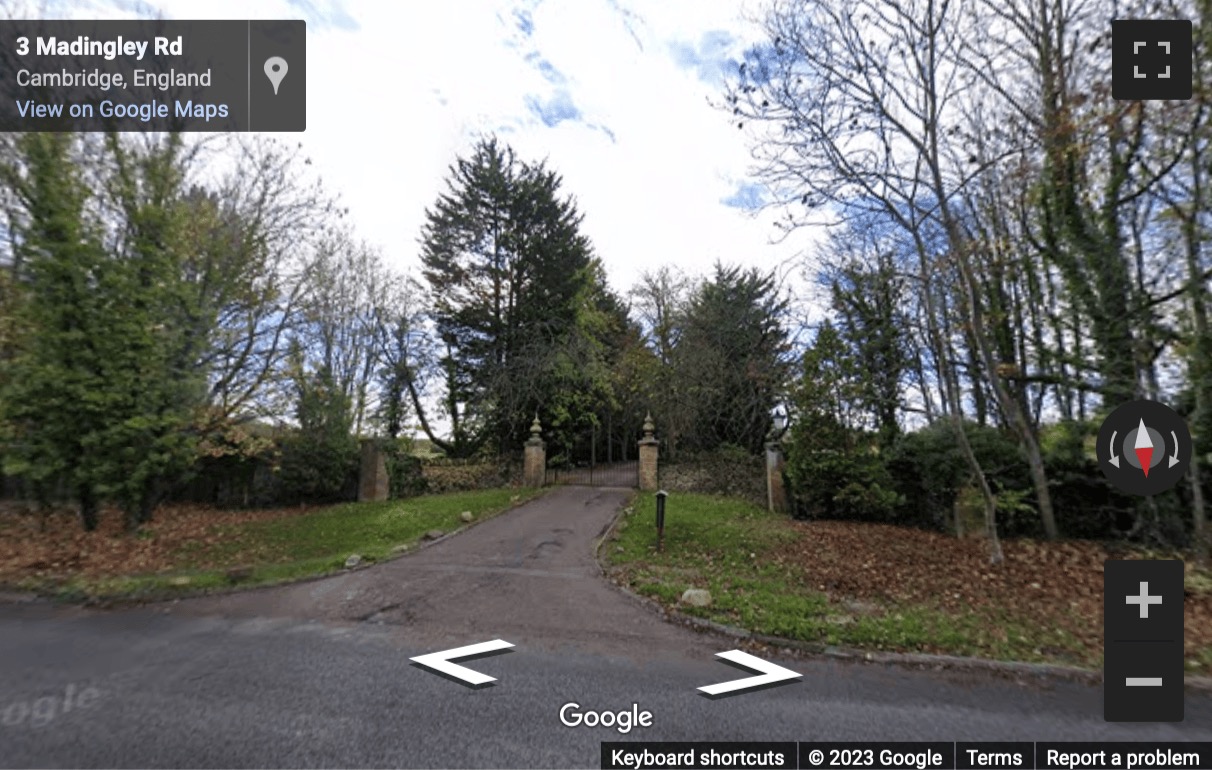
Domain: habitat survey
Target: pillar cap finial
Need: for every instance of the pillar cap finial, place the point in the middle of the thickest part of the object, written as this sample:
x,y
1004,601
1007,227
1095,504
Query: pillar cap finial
x,y
535,427
648,426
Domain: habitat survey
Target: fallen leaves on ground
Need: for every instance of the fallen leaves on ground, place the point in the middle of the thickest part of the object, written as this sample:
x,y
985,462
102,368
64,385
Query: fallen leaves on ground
x,y
64,551
1049,585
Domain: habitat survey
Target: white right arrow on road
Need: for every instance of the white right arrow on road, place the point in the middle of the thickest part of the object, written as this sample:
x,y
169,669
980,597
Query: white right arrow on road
x,y
770,674
440,661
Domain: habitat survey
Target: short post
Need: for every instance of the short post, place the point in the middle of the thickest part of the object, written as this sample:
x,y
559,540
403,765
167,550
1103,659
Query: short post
x,y
776,492
660,521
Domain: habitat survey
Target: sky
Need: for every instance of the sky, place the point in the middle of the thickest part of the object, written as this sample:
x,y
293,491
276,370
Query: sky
x,y
614,94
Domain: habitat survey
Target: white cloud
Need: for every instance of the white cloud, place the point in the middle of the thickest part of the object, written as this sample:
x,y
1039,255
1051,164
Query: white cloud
x,y
392,101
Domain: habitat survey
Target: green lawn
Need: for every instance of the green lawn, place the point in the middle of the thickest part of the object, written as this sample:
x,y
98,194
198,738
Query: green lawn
x,y
308,545
715,543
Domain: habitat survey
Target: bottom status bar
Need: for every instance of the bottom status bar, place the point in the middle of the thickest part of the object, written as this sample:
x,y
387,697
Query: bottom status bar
x,y
932,755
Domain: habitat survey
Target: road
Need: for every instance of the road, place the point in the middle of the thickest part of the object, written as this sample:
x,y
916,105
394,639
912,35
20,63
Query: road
x,y
318,673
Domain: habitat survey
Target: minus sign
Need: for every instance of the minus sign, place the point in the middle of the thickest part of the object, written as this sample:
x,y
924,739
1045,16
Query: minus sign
x,y
1143,681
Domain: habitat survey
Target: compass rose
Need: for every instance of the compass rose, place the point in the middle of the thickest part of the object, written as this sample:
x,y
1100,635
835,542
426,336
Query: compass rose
x,y
1142,434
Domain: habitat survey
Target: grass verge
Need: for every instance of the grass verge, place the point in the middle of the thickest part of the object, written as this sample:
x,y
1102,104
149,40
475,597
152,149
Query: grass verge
x,y
284,547
879,587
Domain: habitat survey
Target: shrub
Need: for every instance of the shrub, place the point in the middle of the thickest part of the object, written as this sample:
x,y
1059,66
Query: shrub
x,y
318,468
929,470
404,471
320,460
840,478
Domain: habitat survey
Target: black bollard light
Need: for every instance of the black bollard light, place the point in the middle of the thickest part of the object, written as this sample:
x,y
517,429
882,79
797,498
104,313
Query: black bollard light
x,y
660,501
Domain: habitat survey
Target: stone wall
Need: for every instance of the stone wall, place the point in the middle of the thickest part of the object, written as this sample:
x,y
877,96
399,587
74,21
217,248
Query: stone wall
x,y
730,474
465,475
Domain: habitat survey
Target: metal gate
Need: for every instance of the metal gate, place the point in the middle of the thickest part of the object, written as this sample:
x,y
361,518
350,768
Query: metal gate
x,y
595,459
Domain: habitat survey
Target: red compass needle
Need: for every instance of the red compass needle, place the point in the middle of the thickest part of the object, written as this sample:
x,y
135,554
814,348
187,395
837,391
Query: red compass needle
x,y
1144,447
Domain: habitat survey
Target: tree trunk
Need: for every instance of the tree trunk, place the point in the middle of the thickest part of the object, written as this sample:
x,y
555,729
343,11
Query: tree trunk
x,y
956,420
1200,359
1009,406
142,510
1200,524
89,509
974,311
979,402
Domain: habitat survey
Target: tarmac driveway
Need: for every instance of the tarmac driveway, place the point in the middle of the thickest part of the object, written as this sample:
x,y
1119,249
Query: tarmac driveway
x,y
528,576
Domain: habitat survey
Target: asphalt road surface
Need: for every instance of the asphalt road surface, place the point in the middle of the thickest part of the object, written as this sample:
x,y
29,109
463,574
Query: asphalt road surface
x,y
318,673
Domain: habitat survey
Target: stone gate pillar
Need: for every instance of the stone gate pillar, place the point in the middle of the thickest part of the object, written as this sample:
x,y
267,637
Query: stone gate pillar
x,y
534,459
648,456
373,483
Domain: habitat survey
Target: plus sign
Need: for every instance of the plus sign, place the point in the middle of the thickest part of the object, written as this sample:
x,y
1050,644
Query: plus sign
x,y
1144,600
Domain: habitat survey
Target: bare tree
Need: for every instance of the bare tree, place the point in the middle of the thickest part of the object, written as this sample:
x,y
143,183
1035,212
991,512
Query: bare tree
x,y
260,223
856,98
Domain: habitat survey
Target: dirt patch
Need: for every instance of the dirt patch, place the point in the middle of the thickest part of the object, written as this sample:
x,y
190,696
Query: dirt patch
x,y
64,551
1040,584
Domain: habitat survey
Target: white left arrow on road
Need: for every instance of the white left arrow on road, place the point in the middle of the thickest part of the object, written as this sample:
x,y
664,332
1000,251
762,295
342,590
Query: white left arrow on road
x,y
770,674
441,661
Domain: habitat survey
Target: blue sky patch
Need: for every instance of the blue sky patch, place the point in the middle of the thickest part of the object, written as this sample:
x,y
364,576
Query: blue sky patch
x,y
708,58
555,110
524,21
546,69
684,54
748,196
